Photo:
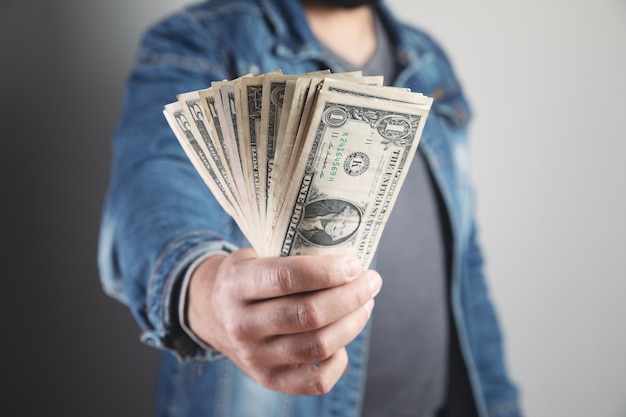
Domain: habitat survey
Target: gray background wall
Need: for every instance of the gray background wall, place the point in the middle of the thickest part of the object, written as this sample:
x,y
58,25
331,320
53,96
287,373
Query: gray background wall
x,y
546,79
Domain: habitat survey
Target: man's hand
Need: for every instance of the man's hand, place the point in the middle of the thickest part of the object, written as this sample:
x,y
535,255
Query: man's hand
x,y
284,321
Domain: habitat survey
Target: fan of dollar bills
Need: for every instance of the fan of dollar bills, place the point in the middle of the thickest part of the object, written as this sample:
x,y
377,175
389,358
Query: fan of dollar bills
x,y
305,164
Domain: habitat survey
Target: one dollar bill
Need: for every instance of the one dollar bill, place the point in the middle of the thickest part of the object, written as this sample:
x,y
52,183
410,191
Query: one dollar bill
x,y
355,157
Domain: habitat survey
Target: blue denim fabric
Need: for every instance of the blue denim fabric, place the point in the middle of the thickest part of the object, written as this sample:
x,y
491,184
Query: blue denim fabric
x,y
159,216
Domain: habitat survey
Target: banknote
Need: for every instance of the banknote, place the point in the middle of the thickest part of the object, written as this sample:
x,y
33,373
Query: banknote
x,y
304,163
357,151
181,126
214,111
273,96
248,111
227,96
304,96
191,104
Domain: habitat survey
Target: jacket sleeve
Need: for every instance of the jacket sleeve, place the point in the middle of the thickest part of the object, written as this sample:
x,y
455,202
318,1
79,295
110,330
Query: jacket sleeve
x,y
158,216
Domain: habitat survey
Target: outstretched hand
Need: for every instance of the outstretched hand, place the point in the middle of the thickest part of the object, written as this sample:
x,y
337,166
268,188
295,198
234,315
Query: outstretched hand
x,y
283,321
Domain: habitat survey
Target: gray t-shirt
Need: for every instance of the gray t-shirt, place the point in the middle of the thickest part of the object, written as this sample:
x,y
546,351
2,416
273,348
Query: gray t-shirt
x,y
409,346
408,351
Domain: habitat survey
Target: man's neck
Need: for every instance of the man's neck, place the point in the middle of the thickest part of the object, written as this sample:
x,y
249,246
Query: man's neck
x,y
350,33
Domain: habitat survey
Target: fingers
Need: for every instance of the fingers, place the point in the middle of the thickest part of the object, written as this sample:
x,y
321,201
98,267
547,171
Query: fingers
x,y
316,345
303,363
308,378
304,312
255,278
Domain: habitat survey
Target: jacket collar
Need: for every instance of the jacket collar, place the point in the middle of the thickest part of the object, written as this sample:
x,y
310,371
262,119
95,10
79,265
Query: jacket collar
x,y
295,38
421,64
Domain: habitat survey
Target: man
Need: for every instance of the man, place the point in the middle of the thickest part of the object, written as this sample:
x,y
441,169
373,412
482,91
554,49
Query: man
x,y
291,336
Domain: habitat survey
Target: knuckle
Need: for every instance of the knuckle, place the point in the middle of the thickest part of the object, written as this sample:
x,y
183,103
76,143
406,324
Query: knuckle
x,y
316,387
264,379
281,277
318,348
268,379
250,359
308,316
238,330
324,387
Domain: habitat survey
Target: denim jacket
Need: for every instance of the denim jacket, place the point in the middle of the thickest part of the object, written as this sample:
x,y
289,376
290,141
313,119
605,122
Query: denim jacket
x,y
159,217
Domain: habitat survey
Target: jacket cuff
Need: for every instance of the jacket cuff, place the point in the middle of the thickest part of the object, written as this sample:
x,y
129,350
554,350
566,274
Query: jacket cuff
x,y
182,299
165,290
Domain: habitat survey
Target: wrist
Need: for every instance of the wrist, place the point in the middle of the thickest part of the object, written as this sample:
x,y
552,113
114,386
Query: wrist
x,y
198,283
